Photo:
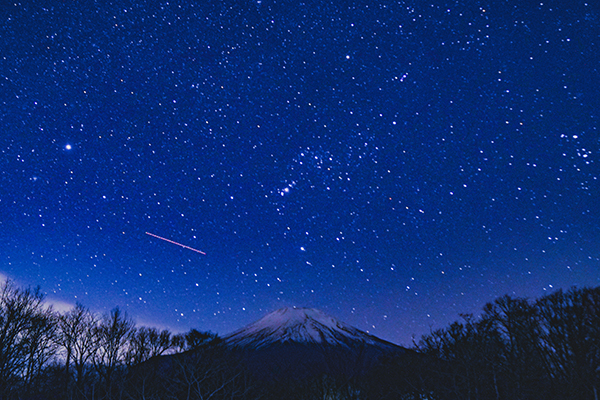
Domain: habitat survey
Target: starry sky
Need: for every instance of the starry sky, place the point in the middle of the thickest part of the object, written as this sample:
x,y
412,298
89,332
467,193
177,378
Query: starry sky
x,y
393,164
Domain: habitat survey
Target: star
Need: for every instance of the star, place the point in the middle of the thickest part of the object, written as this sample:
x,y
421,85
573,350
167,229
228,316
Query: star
x,y
388,143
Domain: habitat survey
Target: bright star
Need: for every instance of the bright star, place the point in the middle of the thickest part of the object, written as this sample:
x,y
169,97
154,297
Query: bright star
x,y
68,147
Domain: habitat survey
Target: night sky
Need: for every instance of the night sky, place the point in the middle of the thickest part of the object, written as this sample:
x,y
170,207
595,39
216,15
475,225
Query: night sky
x,y
393,164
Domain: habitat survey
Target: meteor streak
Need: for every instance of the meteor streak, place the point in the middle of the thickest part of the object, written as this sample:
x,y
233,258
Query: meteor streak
x,y
178,244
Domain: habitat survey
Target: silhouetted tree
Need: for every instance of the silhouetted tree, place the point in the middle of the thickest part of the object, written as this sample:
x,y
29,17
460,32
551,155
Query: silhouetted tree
x,y
75,337
146,343
160,342
195,339
570,338
112,337
40,345
515,321
208,372
458,346
516,350
178,343
25,337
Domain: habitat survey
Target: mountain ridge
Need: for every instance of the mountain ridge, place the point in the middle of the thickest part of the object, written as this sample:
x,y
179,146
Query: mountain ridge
x,y
304,343
301,325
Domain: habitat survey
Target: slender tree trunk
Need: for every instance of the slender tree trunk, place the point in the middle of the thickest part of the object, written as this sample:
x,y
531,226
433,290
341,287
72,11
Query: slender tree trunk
x,y
67,377
496,387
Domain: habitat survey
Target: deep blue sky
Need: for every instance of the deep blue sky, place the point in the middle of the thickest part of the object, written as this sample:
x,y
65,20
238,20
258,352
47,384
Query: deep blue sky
x,y
390,163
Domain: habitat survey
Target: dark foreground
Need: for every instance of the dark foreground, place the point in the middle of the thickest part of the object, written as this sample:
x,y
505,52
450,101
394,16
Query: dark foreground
x,y
516,349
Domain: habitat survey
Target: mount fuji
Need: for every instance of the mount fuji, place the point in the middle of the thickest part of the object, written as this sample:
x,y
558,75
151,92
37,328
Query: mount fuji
x,y
291,353
302,326
303,343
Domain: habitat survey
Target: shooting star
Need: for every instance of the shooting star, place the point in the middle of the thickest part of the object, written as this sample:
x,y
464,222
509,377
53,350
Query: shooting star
x,y
178,244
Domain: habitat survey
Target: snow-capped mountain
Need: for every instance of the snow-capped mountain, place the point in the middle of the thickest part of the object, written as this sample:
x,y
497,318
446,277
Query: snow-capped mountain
x,y
301,326
302,343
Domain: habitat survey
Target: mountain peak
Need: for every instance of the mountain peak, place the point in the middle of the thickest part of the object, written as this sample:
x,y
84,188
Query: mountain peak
x,y
300,325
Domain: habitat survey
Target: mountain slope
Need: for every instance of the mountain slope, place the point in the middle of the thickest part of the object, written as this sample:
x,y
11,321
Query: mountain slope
x,y
301,343
300,325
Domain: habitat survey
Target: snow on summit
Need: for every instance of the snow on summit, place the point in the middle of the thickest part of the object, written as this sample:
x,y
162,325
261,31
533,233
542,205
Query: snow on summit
x,y
300,325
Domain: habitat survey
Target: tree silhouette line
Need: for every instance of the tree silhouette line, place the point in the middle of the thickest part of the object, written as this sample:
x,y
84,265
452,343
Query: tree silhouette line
x,y
77,354
517,349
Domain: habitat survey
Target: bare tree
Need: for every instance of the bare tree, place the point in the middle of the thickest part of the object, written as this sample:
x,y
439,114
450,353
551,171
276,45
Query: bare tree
x,y
515,320
159,342
113,335
570,341
147,343
139,347
195,339
23,344
76,340
206,373
178,343
41,345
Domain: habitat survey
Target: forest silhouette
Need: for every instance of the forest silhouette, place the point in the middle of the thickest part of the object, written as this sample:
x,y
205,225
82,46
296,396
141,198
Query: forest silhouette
x,y
516,348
